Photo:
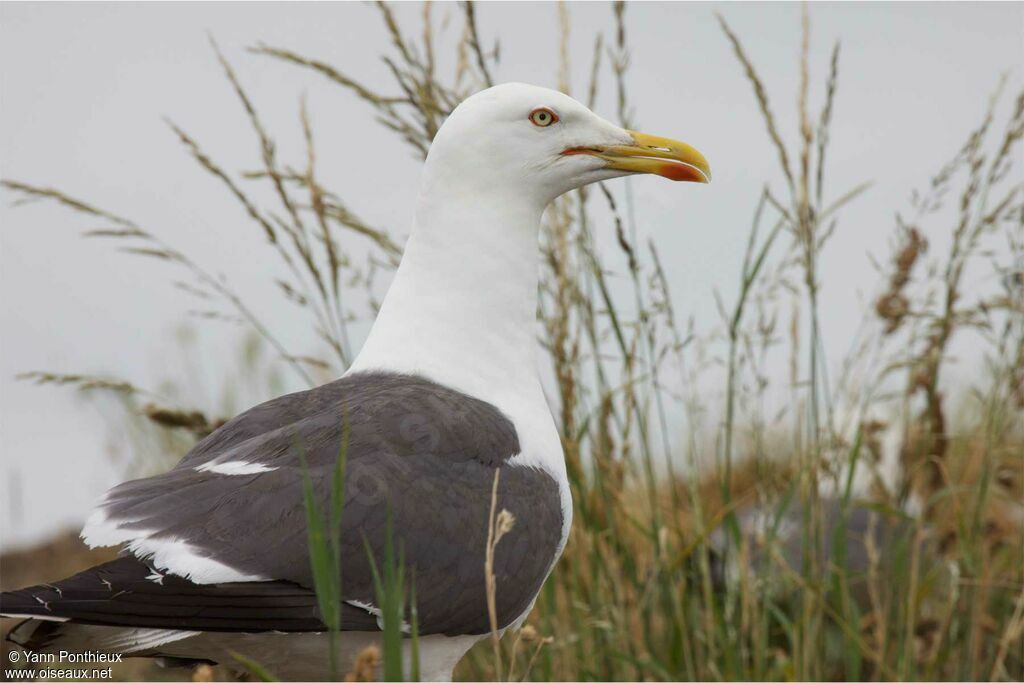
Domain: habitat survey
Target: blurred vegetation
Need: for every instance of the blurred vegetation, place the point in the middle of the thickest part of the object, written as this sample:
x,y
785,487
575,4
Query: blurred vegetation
x,y
873,528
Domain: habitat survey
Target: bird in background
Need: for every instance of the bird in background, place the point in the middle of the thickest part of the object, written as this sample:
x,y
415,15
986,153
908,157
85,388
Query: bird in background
x,y
442,408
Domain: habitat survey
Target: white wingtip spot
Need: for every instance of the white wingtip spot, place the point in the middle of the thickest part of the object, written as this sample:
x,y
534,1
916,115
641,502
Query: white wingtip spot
x,y
365,606
375,611
233,467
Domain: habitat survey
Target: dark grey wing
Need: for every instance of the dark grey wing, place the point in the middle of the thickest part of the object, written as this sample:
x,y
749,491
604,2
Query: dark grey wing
x,y
425,453
128,592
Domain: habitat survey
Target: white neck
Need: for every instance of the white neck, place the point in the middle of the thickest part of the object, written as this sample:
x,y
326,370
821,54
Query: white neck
x,y
462,307
462,310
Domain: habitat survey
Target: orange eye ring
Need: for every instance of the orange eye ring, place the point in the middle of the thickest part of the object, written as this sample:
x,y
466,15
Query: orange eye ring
x,y
542,117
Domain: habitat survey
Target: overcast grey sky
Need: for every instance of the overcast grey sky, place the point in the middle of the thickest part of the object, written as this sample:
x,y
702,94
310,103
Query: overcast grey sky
x,y
84,87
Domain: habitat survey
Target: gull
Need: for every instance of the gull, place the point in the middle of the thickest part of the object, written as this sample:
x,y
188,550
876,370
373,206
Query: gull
x,y
442,415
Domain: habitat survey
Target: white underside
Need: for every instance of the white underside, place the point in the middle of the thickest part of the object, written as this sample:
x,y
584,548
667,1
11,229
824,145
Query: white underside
x,y
288,656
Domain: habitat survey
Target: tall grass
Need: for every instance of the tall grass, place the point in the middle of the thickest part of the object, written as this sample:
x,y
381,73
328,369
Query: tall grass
x,y
872,530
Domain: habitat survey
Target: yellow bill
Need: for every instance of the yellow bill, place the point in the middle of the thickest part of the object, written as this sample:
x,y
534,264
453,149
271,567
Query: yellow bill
x,y
668,158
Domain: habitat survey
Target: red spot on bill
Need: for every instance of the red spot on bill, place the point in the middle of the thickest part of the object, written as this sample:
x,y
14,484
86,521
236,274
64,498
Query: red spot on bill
x,y
674,171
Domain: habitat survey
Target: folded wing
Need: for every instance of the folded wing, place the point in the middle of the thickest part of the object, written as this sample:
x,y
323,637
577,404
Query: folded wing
x,y
230,516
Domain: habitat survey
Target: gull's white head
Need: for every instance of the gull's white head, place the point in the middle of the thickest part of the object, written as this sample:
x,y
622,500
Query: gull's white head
x,y
543,143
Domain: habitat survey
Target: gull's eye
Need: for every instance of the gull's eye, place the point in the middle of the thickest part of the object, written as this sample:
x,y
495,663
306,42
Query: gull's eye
x,y
543,117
